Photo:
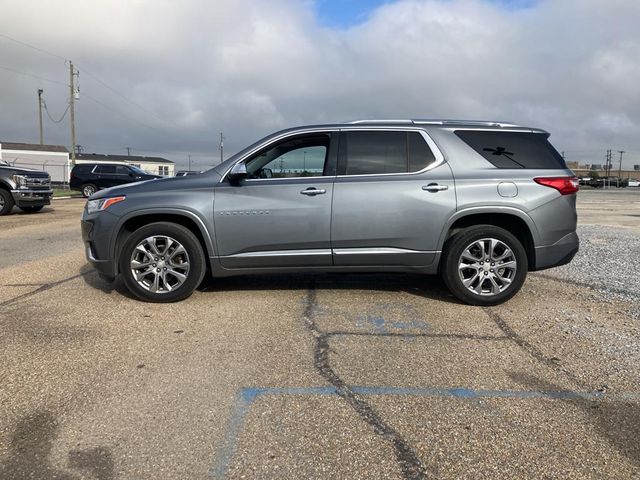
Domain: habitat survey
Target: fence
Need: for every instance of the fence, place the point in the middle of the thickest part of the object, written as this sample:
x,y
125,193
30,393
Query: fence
x,y
59,172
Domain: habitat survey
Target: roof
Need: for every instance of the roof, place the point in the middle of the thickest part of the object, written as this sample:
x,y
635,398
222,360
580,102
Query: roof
x,y
121,158
33,146
444,122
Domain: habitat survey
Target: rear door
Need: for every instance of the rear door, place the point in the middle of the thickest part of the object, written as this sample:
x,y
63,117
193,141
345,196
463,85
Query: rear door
x,y
392,196
111,175
281,215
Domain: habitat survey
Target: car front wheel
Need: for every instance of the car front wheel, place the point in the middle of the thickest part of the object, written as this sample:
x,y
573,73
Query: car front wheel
x,y
484,265
6,201
162,262
88,190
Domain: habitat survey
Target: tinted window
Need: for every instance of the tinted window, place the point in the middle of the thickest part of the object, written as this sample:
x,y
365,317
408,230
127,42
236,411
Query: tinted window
x,y
122,170
303,156
105,169
513,149
420,155
83,168
386,152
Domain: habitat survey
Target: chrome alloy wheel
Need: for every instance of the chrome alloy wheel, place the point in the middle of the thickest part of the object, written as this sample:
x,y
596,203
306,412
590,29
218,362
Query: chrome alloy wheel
x,y
487,267
160,264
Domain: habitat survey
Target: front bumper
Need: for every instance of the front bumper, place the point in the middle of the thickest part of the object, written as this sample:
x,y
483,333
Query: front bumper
x,y
560,253
96,235
31,198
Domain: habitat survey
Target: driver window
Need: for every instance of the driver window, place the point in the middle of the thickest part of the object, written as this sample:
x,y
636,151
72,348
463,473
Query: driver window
x,y
303,156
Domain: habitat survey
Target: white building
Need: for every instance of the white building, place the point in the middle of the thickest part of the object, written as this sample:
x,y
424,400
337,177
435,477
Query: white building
x,y
155,165
50,158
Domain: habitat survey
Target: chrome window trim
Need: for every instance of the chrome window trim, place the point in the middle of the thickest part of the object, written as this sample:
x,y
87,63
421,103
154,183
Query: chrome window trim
x,y
439,157
272,141
403,128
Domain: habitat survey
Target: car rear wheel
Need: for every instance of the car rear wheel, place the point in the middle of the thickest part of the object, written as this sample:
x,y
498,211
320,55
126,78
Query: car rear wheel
x,y
31,209
484,265
6,202
89,189
162,262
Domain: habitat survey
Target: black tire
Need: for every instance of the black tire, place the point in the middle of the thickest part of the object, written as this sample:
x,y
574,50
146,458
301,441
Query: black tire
x,y
32,209
457,244
6,201
88,189
193,249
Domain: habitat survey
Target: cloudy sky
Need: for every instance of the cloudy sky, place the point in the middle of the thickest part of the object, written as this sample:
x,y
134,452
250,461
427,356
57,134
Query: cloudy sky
x,y
164,77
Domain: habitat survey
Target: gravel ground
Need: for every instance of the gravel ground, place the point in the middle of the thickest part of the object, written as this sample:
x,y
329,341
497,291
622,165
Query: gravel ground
x,y
607,261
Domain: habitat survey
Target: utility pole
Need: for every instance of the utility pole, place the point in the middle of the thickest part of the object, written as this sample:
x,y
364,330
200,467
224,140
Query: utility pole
x,y
128,149
40,91
221,146
72,110
620,166
189,162
607,168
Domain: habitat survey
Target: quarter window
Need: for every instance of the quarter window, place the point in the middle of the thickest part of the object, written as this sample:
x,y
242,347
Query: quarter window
x,y
513,149
371,153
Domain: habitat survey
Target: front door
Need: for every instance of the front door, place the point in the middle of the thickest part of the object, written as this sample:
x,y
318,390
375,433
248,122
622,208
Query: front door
x,y
280,216
392,196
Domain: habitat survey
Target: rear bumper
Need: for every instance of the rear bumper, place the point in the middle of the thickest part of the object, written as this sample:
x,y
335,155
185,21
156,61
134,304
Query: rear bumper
x,y
31,198
560,253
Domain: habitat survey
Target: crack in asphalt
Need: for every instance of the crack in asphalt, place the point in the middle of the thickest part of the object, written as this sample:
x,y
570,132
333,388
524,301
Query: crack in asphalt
x,y
531,349
411,466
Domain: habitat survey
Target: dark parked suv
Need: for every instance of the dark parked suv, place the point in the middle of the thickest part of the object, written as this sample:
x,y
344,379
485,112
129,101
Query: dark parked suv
x,y
480,203
88,178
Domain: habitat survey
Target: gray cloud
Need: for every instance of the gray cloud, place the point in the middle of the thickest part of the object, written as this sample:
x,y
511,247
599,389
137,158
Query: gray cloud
x,y
194,68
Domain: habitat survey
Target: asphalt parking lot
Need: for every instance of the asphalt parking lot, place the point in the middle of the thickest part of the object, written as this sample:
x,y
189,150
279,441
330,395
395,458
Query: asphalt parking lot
x,y
329,376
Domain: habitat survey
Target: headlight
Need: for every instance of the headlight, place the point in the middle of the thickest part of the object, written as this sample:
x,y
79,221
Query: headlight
x,y
102,203
21,181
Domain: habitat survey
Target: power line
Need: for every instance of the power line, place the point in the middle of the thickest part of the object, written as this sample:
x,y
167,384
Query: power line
x,y
28,45
44,104
118,112
121,95
32,75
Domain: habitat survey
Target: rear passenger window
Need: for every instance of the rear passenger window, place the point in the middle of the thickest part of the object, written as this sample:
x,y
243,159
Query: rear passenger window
x,y
106,169
513,149
371,153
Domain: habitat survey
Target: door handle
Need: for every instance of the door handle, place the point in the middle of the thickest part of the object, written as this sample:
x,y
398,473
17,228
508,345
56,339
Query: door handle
x,y
434,187
312,191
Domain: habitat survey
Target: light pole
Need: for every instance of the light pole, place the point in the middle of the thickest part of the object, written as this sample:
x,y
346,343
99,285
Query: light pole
x,y
620,166
40,91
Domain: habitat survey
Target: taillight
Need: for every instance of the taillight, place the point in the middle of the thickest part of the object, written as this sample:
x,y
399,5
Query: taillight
x,y
565,185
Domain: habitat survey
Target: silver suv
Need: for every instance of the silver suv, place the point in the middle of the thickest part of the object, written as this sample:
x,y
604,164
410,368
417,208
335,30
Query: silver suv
x,y
480,203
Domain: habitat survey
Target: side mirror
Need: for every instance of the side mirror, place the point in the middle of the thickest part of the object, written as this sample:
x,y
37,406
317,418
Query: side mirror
x,y
237,173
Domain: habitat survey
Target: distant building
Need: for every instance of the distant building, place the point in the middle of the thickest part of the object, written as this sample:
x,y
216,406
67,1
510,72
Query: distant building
x,y
155,165
50,158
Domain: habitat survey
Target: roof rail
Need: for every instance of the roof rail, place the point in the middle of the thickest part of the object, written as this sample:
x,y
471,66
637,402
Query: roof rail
x,y
378,120
475,123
